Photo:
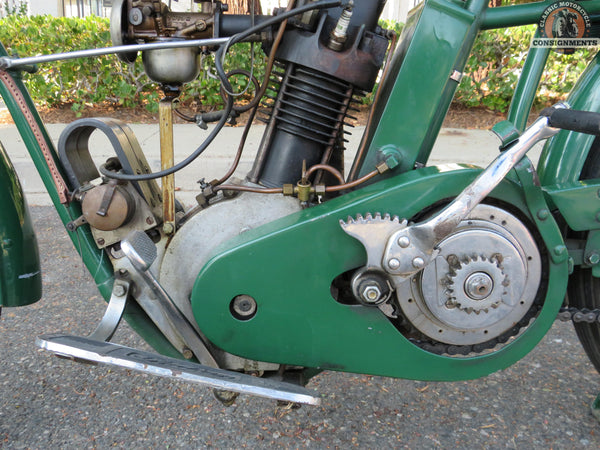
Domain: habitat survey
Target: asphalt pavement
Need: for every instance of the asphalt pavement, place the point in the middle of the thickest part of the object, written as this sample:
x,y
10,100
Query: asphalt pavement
x,y
541,402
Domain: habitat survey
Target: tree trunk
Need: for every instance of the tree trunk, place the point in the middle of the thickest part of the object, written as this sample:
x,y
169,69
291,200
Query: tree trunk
x,y
243,6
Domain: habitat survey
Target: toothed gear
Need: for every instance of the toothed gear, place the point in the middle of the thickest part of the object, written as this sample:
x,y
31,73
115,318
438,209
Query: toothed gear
x,y
373,232
484,285
476,285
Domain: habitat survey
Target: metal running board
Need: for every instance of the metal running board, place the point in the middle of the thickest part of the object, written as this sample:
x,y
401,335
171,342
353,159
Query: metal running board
x,y
154,364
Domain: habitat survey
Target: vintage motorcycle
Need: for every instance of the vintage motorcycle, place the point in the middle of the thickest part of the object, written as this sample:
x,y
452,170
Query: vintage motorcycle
x,y
399,269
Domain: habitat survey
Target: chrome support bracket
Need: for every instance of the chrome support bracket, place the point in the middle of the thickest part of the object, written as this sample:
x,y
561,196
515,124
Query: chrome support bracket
x,y
141,252
114,311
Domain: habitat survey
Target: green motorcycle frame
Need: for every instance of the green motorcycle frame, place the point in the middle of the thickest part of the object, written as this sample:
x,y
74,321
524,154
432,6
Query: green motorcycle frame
x,y
295,259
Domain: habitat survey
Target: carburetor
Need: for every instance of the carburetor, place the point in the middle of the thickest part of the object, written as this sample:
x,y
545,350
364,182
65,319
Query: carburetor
x,y
134,21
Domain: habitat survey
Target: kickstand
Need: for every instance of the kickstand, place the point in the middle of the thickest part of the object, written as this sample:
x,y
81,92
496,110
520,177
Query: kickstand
x,y
114,311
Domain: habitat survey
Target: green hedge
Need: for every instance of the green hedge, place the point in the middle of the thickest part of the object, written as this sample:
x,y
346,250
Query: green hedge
x,y
102,79
489,81
495,64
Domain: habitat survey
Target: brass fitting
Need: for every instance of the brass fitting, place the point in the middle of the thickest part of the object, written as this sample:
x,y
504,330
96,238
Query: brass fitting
x,y
303,190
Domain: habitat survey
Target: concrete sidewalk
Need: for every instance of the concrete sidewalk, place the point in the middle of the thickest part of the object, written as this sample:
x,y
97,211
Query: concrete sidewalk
x,y
477,147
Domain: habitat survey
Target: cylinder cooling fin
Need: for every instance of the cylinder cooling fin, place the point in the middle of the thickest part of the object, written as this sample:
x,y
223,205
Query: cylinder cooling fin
x,y
305,122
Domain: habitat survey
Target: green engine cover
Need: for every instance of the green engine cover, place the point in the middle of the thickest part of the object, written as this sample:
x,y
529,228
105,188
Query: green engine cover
x,y
287,266
20,275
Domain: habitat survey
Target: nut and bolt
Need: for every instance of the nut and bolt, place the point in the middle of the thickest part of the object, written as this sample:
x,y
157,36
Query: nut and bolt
x,y
371,293
100,241
119,290
168,228
592,259
150,220
479,285
187,353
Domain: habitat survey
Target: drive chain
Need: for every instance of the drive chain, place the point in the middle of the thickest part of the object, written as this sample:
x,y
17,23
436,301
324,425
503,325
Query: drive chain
x,y
583,315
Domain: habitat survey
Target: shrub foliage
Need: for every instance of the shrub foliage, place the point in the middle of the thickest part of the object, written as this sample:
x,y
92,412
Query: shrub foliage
x,y
490,76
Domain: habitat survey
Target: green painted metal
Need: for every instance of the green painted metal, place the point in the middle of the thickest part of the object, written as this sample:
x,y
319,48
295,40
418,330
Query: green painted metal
x,y
536,204
517,15
96,261
506,131
527,86
288,267
417,98
563,156
591,252
20,275
578,202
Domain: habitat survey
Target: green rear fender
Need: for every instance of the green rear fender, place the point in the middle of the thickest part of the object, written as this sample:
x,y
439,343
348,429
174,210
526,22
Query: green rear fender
x,y
20,276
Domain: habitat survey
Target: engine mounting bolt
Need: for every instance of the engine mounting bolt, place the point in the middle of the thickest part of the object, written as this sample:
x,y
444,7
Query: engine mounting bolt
x,y
543,214
418,263
119,290
168,228
403,241
593,259
393,263
371,293
187,353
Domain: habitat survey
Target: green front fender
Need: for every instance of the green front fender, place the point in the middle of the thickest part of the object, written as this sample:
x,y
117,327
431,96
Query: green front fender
x,y
20,276
288,267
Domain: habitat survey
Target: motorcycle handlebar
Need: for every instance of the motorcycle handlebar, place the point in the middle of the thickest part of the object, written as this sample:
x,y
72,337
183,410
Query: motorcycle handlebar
x,y
568,119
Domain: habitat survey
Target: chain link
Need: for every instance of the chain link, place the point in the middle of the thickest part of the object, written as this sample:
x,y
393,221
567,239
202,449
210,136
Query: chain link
x,y
583,315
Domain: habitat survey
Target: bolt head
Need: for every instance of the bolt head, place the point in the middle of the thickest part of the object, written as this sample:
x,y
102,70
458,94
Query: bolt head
x,y
168,228
394,264
371,294
403,241
119,290
593,258
418,263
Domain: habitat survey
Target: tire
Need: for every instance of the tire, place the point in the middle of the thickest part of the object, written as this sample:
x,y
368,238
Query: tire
x,y
583,290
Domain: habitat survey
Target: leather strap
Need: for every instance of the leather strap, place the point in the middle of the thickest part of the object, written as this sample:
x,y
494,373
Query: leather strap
x,y
59,182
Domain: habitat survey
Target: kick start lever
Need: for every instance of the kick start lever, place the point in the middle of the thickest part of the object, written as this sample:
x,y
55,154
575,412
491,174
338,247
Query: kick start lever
x,y
410,248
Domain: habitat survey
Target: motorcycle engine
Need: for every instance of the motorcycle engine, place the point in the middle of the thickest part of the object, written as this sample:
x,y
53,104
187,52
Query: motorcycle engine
x,y
325,61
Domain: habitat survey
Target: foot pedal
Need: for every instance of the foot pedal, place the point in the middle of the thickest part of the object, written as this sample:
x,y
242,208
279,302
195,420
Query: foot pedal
x,y
154,364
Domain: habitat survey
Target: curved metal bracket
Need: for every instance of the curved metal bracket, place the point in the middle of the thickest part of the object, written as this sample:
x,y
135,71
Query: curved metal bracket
x,y
74,152
112,317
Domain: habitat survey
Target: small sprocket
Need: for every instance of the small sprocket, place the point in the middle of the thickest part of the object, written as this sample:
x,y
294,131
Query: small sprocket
x,y
476,284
